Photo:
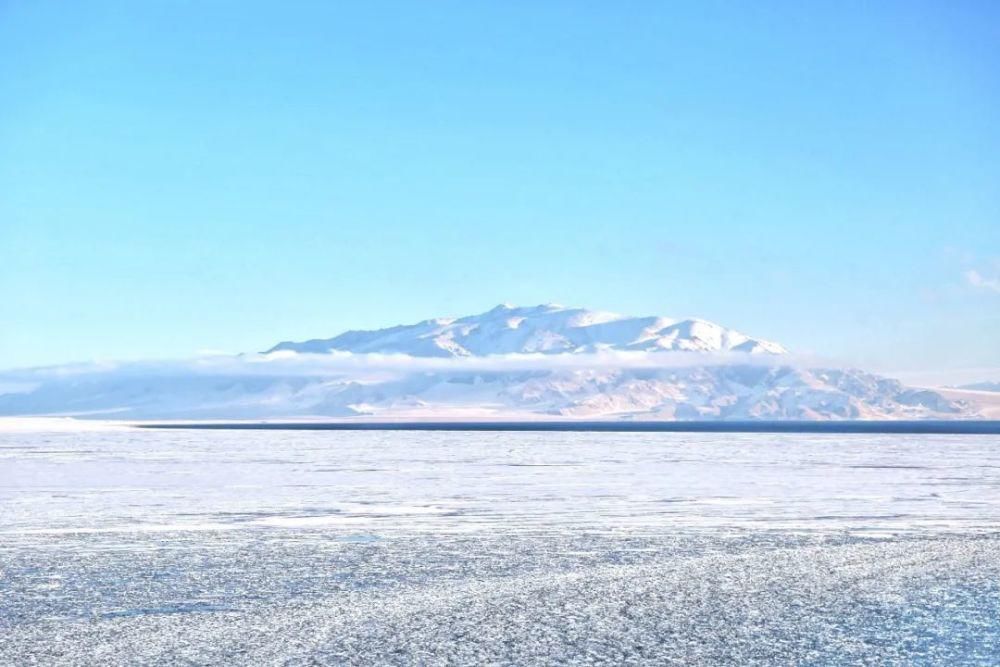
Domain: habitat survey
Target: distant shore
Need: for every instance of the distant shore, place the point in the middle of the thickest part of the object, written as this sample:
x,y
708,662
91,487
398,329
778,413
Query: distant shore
x,y
955,427
929,427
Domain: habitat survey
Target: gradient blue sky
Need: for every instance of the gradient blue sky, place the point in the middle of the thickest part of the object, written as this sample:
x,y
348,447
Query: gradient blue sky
x,y
179,176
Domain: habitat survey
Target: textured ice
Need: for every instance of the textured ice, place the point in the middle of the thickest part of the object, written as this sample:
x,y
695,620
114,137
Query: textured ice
x,y
507,548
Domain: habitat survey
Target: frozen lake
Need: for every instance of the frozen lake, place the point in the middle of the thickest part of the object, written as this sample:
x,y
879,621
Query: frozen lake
x,y
329,547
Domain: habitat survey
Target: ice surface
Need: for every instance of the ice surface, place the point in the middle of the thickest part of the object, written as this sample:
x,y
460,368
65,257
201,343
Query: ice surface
x,y
261,547
442,482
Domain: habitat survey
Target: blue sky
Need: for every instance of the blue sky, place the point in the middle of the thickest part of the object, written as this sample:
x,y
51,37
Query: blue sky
x,y
180,176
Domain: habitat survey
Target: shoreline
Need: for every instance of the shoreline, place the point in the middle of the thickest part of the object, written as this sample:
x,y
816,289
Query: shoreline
x,y
929,427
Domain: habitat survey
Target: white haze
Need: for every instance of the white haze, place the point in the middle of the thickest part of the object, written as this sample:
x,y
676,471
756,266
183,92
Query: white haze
x,y
349,364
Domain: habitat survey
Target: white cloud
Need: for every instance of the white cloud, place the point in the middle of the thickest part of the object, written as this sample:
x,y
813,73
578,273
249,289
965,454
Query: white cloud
x,y
348,365
980,281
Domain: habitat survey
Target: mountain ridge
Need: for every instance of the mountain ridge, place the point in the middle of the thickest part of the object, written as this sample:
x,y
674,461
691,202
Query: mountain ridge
x,y
546,329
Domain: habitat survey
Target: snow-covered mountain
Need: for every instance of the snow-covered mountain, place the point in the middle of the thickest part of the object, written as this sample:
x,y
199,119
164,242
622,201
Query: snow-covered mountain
x,y
508,363
547,329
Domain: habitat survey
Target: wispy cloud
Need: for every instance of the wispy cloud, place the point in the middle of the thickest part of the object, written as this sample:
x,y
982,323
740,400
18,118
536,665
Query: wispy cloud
x,y
346,365
979,281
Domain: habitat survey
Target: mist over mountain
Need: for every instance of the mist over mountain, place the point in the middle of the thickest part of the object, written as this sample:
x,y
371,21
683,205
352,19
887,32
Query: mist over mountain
x,y
981,386
510,362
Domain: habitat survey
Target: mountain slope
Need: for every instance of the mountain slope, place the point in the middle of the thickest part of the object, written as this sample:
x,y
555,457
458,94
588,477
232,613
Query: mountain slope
x,y
732,391
546,329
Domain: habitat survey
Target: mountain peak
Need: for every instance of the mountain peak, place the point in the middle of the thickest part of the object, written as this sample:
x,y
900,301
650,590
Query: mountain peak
x,y
547,328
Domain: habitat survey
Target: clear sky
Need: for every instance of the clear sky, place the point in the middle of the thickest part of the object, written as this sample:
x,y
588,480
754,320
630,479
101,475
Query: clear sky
x,y
180,176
